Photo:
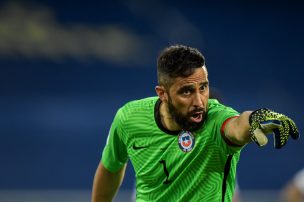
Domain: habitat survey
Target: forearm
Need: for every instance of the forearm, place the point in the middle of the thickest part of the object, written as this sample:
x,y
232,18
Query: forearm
x,y
106,184
256,125
237,130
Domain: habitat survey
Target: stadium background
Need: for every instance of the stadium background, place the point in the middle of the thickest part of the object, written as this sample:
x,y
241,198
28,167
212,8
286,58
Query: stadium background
x,y
67,66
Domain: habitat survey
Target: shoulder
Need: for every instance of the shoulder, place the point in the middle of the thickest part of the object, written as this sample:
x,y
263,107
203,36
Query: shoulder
x,y
141,104
218,112
213,103
134,114
137,107
215,106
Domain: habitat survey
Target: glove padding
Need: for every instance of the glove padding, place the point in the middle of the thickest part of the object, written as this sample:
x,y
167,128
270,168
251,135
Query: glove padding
x,y
264,121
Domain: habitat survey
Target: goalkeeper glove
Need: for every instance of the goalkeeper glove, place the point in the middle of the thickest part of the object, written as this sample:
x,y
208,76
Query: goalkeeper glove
x,y
264,121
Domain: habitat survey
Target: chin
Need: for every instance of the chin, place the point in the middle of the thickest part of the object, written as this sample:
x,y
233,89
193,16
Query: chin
x,y
192,127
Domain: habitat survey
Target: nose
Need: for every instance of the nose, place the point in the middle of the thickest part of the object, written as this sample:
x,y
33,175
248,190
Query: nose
x,y
197,100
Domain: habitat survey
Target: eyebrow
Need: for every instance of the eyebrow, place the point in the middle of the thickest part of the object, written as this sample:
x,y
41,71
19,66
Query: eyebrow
x,y
204,83
190,86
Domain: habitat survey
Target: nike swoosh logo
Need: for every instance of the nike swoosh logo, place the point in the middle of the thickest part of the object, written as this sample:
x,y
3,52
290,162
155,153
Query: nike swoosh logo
x,y
138,147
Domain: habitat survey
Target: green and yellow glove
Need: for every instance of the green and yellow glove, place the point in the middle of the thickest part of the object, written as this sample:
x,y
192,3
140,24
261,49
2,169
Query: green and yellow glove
x,y
264,121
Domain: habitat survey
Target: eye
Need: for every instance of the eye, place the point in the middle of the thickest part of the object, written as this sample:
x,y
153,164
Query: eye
x,y
187,92
203,87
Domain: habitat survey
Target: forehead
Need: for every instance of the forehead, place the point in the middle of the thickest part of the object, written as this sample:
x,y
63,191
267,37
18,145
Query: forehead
x,y
199,76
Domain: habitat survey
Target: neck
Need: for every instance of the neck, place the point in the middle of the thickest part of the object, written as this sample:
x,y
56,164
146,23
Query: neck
x,y
167,121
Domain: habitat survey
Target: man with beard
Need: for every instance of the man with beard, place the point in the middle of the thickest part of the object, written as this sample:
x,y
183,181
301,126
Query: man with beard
x,y
183,146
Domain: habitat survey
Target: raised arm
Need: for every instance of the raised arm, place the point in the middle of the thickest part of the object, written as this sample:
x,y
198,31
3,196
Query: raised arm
x,y
106,184
237,129
256,125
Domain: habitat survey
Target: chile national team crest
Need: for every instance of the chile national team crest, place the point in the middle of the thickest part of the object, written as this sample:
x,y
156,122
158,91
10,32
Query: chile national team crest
x,y
186,141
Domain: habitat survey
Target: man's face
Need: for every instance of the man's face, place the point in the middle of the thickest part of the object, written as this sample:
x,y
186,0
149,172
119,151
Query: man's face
x,y
188,100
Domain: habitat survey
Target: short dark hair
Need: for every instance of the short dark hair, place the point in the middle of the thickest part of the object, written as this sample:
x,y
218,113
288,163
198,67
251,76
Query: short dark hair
x,y
177,61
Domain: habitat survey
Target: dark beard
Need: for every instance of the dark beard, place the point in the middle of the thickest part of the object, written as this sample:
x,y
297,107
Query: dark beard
x,y
184,120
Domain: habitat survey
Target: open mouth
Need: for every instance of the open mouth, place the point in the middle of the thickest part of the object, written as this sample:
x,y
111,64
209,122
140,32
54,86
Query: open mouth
x,y
196,117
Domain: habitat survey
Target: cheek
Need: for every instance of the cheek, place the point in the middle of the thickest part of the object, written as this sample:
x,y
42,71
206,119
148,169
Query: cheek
x,y
206,97
182,105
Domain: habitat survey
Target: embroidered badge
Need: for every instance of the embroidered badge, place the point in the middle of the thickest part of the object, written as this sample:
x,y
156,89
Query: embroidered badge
x,y
186,141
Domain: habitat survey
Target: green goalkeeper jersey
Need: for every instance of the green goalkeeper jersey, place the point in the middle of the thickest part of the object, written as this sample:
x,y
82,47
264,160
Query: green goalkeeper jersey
x,y
173,165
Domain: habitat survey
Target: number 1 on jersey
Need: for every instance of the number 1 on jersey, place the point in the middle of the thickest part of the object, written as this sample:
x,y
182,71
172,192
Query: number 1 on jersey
x,y
167,181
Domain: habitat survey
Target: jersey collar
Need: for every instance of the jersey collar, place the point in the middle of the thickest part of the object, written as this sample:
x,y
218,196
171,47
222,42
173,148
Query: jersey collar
x,y
158,120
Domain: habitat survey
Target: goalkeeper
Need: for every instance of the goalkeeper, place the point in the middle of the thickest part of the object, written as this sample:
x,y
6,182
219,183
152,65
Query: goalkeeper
x,y
183,146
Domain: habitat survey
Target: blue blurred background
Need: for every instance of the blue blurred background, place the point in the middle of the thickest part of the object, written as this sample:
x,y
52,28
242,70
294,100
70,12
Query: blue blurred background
x,y
67,66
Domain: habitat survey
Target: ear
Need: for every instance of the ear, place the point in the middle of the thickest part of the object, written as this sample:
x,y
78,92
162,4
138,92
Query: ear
x,y
162,93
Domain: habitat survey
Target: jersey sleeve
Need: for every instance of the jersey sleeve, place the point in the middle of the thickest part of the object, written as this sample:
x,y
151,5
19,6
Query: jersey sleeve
x,y
115,155
227,114
221,114
231,147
